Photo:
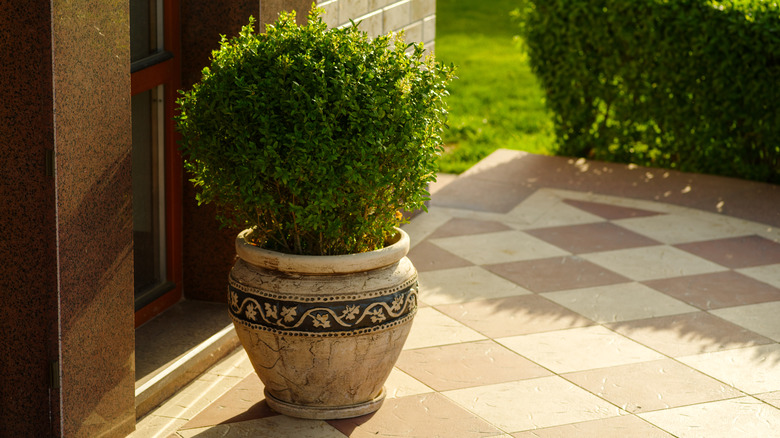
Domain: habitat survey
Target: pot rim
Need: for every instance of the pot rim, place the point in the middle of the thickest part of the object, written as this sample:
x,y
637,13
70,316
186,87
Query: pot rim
x,y
323,265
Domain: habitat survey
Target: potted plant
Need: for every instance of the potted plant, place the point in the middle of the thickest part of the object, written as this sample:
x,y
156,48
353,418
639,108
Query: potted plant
x,y
315,141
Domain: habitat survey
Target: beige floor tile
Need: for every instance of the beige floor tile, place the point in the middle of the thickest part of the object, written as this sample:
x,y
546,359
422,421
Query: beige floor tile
x,y
579,349
535,207
476,215
560,214
463,227
748,227
464,284
624,426
442,179
652,262
153,426
431,328
243,402
752,370
688,334
773,398
768,274
400,384
519,315
535,403
762,318
482,195
195,397
546,209
506,246
278,426
743,417
425,224
619,302
467,365
493,162
649,386
236,364
675,228
418,416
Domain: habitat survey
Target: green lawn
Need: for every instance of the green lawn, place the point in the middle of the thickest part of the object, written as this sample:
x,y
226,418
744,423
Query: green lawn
x,y
496,101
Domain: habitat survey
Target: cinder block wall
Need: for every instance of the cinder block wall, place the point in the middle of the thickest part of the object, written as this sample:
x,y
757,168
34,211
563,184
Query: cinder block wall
x,y
378,17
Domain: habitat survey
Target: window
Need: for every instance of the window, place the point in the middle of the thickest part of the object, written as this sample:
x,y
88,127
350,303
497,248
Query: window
x,y
155,162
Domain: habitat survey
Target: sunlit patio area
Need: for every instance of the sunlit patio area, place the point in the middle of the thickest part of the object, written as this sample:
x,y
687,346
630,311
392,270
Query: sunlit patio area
x,y
561,298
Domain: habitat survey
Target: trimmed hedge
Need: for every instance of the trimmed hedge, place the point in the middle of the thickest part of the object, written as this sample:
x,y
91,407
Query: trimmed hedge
x,y
687,84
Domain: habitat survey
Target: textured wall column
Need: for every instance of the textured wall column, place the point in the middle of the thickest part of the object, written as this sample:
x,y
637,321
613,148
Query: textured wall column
x,y
92,144
66,252
28,280
208,251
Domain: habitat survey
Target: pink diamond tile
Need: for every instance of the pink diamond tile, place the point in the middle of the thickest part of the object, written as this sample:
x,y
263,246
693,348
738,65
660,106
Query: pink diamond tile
x,y
557,273
423,416
688,334
429,257
518,315
608,211
601,236
736,252
461,227
467,365
716,290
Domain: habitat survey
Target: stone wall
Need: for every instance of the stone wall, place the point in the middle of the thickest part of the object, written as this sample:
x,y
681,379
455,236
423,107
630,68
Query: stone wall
x,y
416,17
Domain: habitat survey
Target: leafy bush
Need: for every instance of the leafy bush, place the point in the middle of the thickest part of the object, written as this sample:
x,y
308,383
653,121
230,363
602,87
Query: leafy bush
x,y
316,138
687,84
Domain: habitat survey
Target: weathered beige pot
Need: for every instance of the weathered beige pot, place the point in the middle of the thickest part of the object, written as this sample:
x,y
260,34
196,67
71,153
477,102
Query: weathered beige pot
x,y
323,332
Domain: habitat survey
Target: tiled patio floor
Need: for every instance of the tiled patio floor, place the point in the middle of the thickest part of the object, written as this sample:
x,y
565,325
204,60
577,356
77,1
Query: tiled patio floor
x,y
562,299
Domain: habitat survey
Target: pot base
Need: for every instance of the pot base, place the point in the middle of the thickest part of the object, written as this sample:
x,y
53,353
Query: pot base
x,y
324,412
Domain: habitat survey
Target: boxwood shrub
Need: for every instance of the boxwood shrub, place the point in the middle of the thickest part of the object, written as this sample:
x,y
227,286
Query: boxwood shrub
x,y
686,84
315,138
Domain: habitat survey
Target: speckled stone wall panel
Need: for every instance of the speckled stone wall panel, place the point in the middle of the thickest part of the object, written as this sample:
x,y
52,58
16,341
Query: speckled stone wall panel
x,y
208,251
270,9
28,261
202,23
91,52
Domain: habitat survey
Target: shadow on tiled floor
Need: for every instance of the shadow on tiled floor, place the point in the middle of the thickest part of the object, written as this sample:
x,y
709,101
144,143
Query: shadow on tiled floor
x,y
563,298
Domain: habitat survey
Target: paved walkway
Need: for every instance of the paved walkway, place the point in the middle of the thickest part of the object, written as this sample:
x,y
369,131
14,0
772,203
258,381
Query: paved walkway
x,y
562,298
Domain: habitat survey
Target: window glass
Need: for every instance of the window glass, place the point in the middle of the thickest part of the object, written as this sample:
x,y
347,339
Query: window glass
x,y
148,213
145,35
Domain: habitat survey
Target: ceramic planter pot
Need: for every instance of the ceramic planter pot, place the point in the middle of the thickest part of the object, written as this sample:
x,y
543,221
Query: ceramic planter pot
x,y
323,332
